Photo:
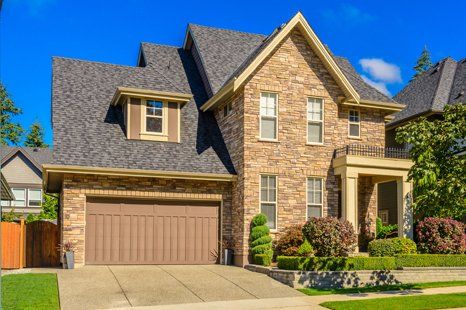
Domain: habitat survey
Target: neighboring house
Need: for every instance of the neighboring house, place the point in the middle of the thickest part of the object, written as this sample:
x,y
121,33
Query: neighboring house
x,y
165,162
5,191
22,168
426,95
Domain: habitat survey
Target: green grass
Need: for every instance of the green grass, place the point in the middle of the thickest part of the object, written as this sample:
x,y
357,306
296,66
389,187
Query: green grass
x,y
397,287
440,301
30,291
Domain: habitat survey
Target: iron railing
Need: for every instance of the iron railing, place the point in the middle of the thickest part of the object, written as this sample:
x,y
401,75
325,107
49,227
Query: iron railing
x,y
372,151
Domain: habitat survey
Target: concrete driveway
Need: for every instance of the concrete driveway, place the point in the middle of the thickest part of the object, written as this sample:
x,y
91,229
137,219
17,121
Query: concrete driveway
x,y
104,287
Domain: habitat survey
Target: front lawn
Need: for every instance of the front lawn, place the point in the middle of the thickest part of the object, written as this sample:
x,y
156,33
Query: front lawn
x,y
368,289
440,301
30,291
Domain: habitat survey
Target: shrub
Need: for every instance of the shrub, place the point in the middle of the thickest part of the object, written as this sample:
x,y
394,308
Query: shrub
x,y
305,249
441,236
431,260
391,247
335,263
384,231
259,240
290,241
262,259
330,236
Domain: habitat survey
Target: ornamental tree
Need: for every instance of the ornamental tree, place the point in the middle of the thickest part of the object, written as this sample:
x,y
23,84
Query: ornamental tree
x,y
437,148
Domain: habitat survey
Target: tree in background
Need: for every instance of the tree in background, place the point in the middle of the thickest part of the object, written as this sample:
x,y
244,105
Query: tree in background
x,y
49,209
9,131
423,63
439,170
35,136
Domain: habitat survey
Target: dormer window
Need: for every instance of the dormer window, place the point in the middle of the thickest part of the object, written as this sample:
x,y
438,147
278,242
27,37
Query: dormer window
x,y
154,116
151,115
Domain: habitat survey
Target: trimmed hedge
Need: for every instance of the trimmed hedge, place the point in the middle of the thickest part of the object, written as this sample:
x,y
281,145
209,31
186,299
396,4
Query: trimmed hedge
x,y
370,263
391,247
262,259
431,260
335,263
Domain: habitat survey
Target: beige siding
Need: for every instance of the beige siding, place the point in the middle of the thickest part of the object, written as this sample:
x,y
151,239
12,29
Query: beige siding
x,y
20,170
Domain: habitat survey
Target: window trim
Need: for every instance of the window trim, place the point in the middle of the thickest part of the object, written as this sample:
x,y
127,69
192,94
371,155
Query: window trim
x,y
164,118
315,122
29,197
227,109
268,202
322,197
25,197
268,117
354,123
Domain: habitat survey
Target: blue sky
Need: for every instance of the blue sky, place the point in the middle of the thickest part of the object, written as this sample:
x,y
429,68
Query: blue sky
x,y
382,39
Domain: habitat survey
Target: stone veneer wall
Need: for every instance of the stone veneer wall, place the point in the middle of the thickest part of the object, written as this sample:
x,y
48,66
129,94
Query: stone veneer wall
x,y
295,72
77,187
367,210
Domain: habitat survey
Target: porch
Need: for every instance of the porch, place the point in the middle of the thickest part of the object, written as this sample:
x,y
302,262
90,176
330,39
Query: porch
x,y
361,169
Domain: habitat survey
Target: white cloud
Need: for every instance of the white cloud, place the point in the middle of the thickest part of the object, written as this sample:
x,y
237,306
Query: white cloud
x,y
380,86
380,70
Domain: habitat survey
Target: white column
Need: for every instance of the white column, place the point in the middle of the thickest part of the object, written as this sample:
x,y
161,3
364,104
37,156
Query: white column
x,y
404,205
349,199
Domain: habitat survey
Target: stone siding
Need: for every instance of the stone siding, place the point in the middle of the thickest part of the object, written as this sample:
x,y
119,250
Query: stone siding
x,y
76,188
295,73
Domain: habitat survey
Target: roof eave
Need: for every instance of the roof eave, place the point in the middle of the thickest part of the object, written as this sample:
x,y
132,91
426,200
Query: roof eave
x,y
148,93
381,105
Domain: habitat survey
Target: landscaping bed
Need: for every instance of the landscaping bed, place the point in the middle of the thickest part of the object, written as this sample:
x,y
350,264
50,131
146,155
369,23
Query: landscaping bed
x,y
30,291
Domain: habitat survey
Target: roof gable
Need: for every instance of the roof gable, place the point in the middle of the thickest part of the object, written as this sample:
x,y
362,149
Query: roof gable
x,y
264,50
37,156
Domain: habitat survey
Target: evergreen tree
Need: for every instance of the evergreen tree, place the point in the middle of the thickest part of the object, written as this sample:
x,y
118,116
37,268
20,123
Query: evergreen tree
x,y
9,131
423,63
35,137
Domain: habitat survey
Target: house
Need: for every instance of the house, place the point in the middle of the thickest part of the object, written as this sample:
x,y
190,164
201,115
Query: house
x,y
5,191
426,95
22,169
168,161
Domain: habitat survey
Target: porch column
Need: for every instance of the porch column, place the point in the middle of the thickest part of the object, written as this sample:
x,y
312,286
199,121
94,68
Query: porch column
x,y
349,201
405,211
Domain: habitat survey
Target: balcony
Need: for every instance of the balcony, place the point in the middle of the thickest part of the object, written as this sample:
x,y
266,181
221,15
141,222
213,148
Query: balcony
x,y
372,151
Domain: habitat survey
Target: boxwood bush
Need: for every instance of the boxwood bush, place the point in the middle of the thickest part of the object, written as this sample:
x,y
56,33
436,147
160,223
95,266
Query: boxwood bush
x,y
335,263
431,260
262,259
259,239
391,247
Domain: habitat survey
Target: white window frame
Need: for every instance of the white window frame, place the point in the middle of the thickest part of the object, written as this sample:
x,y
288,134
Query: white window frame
x,y
270,117
315,122
12,203
164,118
269,202
358,123
29,196
308,204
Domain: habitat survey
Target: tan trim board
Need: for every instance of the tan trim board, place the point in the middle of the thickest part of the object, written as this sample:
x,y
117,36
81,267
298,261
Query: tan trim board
x,y
147,93
136,173
389,106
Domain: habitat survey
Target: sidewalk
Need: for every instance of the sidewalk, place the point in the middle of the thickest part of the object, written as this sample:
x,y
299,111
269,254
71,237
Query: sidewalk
x,y
298,303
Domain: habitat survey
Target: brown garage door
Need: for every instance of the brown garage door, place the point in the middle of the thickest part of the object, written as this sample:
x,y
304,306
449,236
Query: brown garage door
x,y
148,232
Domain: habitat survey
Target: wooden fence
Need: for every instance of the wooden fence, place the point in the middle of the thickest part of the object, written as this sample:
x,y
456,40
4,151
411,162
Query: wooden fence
x,y
13,245
31,245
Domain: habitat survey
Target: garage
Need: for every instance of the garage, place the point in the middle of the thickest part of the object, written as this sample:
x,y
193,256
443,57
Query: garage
x,y
124,231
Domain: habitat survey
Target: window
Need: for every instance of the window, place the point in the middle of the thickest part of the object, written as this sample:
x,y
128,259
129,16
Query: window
x,y
314,197
268,114
268,199
354,123
20,197
227,109
5,203
154,116
34,197
315,120
383,215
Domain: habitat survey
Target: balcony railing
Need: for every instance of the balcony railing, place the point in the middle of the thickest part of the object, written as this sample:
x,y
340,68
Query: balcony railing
x,y
372,151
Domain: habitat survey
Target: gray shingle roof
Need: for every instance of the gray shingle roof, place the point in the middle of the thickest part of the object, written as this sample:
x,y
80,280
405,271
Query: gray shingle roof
x,y
226,53
39,155
88,131
443,84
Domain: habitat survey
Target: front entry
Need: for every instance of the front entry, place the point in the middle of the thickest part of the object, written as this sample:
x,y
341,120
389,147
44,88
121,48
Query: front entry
x,y
124,231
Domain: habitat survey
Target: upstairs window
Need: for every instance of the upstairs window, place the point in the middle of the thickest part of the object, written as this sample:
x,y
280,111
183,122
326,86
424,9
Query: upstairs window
x,y
268,116
268,199
20,197
227,109
354,123
315,120
34,197
314,197
154,116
